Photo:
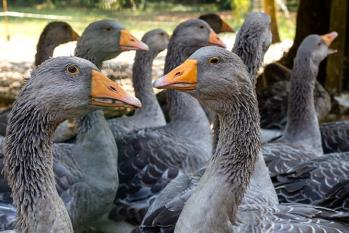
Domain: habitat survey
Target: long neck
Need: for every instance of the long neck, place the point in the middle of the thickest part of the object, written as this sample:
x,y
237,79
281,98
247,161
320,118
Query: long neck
x,y
251,53
142,82
237,149
83,51
222,187
187,118
28,165
302,123
44,51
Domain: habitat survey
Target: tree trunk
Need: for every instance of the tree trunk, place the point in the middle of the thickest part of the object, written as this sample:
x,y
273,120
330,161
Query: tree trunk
x,y
270,9
335,62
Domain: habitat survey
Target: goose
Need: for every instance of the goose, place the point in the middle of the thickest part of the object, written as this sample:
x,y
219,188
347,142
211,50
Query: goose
x,y
54,34
252,41
217,204
217,24
145,164
60,88
300,171
301,140
87,183
150,115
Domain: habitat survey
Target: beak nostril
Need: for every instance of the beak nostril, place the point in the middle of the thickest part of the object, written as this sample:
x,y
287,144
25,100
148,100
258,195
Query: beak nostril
x,y
112,89
132,40
178,74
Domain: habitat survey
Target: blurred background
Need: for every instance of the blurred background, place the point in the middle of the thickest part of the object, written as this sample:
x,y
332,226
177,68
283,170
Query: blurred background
x,y
23,20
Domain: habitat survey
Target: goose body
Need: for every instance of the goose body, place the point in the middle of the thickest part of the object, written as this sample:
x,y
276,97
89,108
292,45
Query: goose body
x,y
218,202
150,115
149,158
40,107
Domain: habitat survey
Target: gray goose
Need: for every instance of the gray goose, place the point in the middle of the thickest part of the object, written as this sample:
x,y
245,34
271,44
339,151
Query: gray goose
x,y
60,88
217,204
217,24
251,43
150,115
87,183
145,164
301,140
305,175
54,34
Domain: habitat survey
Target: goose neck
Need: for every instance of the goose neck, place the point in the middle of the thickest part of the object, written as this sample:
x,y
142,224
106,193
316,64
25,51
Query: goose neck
x,y
28,164
302,122
142,79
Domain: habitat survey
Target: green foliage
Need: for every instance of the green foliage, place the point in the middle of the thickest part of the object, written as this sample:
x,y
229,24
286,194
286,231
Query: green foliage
x,y
240,8
122,4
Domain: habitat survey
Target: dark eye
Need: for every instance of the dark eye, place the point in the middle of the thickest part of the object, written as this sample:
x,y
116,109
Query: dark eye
x,y
213,60
319,44
201,27
162,34
108,29
72,70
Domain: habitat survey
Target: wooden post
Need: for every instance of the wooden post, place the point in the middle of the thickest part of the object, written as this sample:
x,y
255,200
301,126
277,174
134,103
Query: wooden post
x,y
335,62
270,9
5,9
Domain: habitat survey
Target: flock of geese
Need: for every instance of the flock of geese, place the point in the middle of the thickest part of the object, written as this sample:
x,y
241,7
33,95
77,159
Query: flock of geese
x,y
163,169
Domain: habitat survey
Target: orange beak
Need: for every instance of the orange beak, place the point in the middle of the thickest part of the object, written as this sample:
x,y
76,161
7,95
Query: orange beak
x,y
129,42
183,77
226,28
328,39
215,40
75,35
106,93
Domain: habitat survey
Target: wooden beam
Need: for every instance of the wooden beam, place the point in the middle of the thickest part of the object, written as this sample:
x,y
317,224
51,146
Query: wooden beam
x,y
5,9
335,62
270,9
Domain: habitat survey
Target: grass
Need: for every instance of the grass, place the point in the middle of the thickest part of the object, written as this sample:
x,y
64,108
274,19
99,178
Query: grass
x,y
138,22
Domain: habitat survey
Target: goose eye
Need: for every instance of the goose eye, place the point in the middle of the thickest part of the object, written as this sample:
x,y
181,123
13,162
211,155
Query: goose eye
x,y
213,60
108,29
162,34
319,44
201,27
72,70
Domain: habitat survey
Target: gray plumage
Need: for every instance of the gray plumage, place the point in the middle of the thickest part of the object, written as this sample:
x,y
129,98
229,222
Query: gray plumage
x,y
214,204
253,41
301,140
151,157
86,172
150,115
312,182
28,166
335,136
54,34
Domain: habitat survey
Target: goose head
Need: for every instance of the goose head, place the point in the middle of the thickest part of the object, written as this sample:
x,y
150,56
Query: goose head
x,y
106,39
316,47
67,87
211,74
60,32
157,40
195,33
216,23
